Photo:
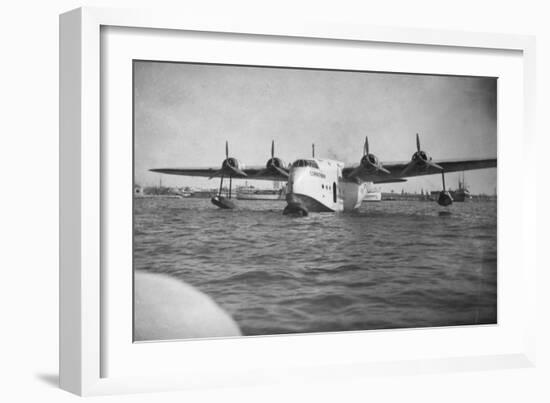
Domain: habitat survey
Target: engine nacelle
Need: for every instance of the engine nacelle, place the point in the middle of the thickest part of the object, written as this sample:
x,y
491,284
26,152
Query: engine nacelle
x,y
420,156
230,166
370,162
232,163
420,160
274,166
275,162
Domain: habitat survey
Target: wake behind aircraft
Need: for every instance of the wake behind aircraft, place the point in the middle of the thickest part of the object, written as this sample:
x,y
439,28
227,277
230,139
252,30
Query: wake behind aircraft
x,y
325,185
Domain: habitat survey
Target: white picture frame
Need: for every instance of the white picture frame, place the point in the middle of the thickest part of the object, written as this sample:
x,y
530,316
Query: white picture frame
x,y
83,306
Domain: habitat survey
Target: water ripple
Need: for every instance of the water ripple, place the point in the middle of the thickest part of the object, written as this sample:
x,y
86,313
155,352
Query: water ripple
x,y
390,265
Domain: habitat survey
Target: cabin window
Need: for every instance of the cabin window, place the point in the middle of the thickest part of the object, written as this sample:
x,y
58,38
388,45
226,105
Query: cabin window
x,y
334,192
305,163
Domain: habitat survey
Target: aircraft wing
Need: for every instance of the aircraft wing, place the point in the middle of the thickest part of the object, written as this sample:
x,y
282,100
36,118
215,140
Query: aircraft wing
x,y
396,169
253,173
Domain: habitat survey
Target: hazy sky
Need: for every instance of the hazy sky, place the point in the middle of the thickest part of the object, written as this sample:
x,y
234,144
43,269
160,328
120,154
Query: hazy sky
x,y
185,112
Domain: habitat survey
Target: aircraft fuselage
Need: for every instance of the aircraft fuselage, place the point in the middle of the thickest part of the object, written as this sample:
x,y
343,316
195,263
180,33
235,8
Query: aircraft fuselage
x,y
316,185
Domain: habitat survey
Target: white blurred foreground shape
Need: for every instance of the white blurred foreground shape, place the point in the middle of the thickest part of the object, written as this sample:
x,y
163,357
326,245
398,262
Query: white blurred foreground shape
x,y
166,309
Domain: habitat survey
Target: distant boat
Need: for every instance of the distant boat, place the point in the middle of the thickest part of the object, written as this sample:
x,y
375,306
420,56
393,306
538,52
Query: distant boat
x,y
462,193
373,194
373,197
183,193
251,193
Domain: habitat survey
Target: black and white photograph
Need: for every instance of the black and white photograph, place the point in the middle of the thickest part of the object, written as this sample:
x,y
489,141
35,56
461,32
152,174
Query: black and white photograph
x,y
274,200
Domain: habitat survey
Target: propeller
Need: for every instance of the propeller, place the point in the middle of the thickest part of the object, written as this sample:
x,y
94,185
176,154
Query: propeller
x,y
371,159
230,166
274,166
420,158
369,162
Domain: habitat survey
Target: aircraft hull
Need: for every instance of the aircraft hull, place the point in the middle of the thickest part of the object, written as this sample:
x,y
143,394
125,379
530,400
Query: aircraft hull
x,y
297,202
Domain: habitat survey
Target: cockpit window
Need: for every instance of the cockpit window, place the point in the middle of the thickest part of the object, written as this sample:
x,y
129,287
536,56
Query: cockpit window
x,y
305,163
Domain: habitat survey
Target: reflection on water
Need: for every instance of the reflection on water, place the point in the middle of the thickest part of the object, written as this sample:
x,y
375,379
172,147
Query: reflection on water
x,y
390,265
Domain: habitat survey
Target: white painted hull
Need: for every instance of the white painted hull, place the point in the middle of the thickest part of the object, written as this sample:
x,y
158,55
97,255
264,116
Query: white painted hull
x,y
320,188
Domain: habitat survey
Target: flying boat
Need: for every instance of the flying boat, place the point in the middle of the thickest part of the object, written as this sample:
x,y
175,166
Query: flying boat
x,y
327,185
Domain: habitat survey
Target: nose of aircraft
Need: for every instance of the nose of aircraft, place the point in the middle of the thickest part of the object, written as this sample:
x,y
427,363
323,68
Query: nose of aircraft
x,y
295,178
295,205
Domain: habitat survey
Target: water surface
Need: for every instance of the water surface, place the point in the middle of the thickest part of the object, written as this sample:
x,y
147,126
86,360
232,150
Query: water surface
x,y
390,265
